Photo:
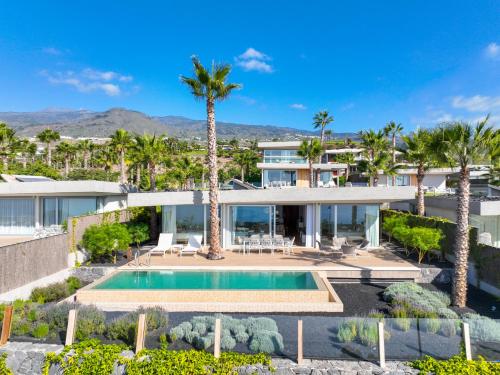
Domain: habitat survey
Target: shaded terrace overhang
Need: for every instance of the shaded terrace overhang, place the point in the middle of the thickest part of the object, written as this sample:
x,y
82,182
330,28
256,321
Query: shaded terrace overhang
x,y
346,195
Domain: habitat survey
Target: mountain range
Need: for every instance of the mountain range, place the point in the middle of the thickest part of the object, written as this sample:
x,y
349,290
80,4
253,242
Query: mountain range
x,y
85,123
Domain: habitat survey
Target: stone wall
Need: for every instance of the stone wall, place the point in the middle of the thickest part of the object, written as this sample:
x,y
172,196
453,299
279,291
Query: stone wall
x,y
28,261
28,358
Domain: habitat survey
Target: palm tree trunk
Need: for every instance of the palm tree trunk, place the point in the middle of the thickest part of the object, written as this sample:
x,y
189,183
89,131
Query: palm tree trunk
x,y
123,178
214,249
462,240
394,157
311,175
25,162
49,155
66,166
242,174
347,171
153,216
5,162
420,191
85,160
138,174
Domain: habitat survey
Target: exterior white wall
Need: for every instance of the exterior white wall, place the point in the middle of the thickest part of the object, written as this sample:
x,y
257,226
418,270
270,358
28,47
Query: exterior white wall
x,y
114,202
435,181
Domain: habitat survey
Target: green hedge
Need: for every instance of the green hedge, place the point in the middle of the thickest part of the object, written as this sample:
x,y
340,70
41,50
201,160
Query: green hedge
x,y
447,227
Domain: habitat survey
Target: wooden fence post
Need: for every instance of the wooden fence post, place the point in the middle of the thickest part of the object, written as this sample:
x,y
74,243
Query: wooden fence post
x,y
217,338
300,347
71,328
141,333
381,344
6,325
466,337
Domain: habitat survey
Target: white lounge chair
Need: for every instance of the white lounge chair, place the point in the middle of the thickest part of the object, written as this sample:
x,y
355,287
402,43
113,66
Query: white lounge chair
x,y
193,246
164,244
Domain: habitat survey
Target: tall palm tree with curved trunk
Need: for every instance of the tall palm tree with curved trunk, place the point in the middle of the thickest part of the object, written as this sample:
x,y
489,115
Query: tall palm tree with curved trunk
x,y
418,151
121,141
393,130
8,143
321,121
211,86
48,136
462,144
310,150
67,151
149,150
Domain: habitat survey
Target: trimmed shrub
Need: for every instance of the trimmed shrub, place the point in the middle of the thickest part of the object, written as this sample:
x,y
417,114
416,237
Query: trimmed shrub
x,y
74,283
176,333
191,337
482,328
40,331
201,328
259,324
57,315
20,328
122,328
50,293
266,342
227,342
90,321
103,241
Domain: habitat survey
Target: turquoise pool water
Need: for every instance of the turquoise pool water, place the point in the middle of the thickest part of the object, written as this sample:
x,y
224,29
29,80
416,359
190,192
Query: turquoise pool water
x,y
225,280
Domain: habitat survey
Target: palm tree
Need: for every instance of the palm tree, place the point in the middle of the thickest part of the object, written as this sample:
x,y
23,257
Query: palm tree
x,y
27,150
67,151
348,159
419,152
120,142
462,144
393,130
8,142
328,134
245,160
375,155
211,86
310,150
86,146
321,121
48,136
149,150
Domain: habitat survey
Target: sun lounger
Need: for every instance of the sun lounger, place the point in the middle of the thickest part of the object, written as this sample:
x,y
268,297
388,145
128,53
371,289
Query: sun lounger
x,y
193,246
164,244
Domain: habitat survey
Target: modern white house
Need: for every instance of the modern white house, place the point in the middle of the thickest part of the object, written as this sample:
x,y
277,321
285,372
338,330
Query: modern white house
x,y
306,214
28,203
282,167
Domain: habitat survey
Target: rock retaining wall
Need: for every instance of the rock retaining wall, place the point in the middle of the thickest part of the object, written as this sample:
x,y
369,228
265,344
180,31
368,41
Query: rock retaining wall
x,y
25,358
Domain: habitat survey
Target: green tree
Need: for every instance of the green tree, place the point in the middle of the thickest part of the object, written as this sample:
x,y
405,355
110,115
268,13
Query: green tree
x,y
211,86
245,160
67,152
8,144
48,136
392,130
121,141
375,155
418,151
462,144
321,121
348,159
103,241
86,146
310,150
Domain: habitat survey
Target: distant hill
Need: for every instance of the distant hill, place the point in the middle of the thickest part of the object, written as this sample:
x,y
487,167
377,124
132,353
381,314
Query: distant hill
x,y
83,123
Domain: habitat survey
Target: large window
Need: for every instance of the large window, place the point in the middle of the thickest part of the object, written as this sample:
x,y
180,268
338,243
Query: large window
x,y
401,180
17,216
250,220
57,210
283,156
186,220
279,177
356,222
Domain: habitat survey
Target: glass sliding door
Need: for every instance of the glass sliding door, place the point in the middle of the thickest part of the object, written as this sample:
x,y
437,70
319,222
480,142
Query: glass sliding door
x,y
249,220
186,220
57,210
356,222
17,216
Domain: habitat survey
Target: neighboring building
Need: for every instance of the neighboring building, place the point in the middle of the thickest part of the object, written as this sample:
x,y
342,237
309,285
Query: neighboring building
x,y
29,203
484,214
434,179
307,214
282,167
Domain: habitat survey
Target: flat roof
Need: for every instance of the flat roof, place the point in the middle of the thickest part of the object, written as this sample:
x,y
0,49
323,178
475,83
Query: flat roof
x,y
295,195
279,145
43,188
295,166
478,205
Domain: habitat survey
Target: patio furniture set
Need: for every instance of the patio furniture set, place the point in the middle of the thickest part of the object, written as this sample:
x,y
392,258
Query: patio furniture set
x,y
341,247
259,243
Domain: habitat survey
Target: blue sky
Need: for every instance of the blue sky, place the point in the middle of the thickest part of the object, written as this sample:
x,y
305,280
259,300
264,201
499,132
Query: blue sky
x,y
368,62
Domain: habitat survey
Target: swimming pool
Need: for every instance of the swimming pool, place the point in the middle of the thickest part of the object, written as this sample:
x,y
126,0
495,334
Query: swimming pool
x,y
210,290
213,280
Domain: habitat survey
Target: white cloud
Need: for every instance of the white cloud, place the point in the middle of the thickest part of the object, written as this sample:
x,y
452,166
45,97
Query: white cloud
x,y
246,99
252,53
298,106
347,107
253,60
493,50
52,51
476,103
89,80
